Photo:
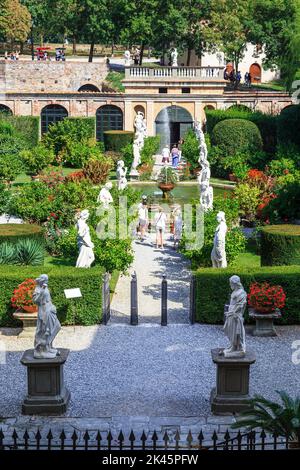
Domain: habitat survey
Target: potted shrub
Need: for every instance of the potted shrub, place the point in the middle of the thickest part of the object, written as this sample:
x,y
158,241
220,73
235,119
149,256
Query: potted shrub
x,y
280,419
265,302
167,179
26,309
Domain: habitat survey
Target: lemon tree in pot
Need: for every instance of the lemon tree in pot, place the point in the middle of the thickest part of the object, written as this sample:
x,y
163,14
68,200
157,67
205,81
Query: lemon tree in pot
x,y
167,180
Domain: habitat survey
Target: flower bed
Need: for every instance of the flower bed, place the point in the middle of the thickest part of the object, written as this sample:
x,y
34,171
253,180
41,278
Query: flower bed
x,y
265,298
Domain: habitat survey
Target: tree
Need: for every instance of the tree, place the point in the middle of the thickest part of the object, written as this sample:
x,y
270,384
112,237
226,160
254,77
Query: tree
x,y
277,27
15,20
229,28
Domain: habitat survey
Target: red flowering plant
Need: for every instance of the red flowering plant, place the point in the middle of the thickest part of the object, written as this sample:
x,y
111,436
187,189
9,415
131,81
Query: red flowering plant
x,y
264,182
52,176
265,298
22,296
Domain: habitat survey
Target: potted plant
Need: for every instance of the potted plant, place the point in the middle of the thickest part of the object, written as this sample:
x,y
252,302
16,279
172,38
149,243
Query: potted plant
x,y
280,419
26,309
167,179
265,302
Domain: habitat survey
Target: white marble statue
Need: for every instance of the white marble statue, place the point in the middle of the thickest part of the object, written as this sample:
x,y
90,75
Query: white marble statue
x,y
174,57
234,320
121,175
218,254
127,57
86,254
138,144
206,196
48,324
205,172
104,197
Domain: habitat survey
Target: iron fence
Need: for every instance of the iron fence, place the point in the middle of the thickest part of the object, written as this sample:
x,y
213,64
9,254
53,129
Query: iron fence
x,y
105,441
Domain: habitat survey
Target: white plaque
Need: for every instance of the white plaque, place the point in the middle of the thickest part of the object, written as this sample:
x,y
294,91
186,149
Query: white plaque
x,y
72,293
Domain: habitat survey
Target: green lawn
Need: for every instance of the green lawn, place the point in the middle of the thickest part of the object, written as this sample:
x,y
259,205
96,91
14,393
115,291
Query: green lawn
x,y
114,80
276,86
249,258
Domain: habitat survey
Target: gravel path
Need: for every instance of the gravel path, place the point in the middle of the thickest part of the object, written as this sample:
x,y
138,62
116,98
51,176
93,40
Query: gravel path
x,y
147,370
150,265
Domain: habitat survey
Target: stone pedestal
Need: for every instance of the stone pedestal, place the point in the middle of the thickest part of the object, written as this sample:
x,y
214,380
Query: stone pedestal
x,y
232,386
264,322
134,175
29,323
47,394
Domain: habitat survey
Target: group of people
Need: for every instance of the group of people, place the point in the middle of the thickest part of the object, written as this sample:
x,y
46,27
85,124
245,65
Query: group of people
x,y
60,55
160,223
236,77
174,155
11,56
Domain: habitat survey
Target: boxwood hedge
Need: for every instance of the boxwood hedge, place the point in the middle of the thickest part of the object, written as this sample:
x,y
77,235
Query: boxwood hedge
x,y
116,140
13,232
88,310
266,123
280,245
237,135
213,290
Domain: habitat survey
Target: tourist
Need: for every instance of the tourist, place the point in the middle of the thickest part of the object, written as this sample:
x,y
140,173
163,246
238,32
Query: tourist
x,y
165,154
143,218
177,216
238,78
17,55
175,156
180,144
160,225
5,55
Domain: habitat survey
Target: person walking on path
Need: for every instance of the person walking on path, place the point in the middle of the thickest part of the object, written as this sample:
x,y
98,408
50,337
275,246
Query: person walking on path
x,y
143,218
177,216
160,225
175,156
165,154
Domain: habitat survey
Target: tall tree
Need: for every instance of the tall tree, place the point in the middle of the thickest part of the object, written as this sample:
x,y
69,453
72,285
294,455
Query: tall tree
x,y
15,20
229,28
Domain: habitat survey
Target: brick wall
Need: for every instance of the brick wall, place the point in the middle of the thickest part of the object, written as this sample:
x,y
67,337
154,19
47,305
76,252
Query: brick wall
x,y
33,76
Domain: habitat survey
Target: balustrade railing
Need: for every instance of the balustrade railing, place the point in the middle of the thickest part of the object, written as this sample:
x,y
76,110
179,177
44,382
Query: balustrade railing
x,y
205,73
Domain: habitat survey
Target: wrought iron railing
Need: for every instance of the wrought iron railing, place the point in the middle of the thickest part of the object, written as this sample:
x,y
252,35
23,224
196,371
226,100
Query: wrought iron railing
x,y
105,441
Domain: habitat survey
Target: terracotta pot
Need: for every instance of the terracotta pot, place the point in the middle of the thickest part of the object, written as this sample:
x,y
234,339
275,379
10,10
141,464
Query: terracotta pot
x,y
29,308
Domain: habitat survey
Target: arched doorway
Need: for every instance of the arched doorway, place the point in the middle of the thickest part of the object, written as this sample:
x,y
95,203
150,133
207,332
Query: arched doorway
x,y
89,87
172,123
108,118
255,72
51,114
5,109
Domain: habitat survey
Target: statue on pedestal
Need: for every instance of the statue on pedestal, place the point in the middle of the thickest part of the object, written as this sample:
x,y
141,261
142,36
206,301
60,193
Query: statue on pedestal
x,y
127,57
138,144
86,254
104,197
174,57
121,175
218,254
48,324
234,323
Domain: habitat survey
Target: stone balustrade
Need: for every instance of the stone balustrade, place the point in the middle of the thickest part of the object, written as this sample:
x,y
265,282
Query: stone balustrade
x,y
204,73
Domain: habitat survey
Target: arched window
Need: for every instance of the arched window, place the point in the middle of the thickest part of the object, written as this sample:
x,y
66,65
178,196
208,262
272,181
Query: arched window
x,y
108,118
89,87
5,109
51,114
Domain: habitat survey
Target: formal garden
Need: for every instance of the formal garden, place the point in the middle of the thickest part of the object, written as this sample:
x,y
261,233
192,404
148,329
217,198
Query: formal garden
x,y
47,182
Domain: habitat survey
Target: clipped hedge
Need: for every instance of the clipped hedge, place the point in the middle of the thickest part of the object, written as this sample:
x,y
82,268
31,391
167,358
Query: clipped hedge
x,y
116,140
213,290
280,245
266,123
88,307
237,135
288,123
14,232
27,126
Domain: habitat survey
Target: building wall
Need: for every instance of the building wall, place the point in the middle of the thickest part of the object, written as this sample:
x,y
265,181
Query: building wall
x,y
218,60
36,76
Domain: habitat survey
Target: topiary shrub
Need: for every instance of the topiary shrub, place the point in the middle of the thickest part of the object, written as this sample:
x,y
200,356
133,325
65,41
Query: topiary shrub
x,y
237,135
116,140
288,125
14,232
280,245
